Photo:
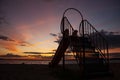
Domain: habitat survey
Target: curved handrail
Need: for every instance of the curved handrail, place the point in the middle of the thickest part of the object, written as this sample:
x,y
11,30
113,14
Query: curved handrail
x,y
62,26
73,9
65,17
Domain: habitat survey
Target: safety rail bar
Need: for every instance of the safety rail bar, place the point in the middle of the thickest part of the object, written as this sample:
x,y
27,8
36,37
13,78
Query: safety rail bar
x,y
98,41
65,24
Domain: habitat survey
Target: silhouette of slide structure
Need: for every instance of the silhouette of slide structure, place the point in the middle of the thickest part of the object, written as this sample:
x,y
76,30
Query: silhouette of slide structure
x,y
60,52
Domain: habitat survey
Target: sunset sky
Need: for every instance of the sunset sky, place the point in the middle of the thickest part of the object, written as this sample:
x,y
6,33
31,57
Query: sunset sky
x,y
27,24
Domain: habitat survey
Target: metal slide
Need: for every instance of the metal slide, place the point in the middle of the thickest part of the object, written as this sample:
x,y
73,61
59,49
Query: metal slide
x,y
60,52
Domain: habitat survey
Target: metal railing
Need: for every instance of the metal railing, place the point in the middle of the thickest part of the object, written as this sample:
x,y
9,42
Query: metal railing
x,y
65,24
97,40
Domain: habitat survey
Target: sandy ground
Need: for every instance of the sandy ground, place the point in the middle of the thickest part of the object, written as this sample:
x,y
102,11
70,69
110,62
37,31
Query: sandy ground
x,y
43,72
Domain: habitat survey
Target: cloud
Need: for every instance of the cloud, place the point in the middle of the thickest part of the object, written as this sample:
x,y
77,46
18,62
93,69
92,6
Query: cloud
x,y
11,44
58,37
38,52
113,40
1,20
8,45
49,0
33,52
5,38
14,56
11,47
114,55
52,34
10,55
103,32
35,56
24,43
17,42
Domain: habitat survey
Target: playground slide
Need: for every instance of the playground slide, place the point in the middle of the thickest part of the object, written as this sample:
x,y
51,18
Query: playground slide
x,y
59,52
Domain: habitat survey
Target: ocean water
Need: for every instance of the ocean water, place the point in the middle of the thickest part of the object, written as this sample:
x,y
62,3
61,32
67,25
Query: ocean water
x,y
23,62
41,62
31,62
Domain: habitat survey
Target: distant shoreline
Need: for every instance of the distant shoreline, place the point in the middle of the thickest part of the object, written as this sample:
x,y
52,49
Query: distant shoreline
x,y
28,59
50,59
46,62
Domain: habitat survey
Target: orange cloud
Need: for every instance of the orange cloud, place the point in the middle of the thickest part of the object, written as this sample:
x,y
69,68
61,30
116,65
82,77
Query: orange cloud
x,y
37,32
11,46
114,50
23,32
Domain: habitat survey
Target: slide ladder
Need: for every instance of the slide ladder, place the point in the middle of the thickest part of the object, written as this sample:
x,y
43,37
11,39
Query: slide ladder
x,y
94,50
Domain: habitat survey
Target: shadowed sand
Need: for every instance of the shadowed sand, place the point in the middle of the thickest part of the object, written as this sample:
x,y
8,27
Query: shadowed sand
x,y
43,72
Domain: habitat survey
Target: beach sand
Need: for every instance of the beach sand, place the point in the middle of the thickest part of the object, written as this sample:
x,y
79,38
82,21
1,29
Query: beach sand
x,y
43,72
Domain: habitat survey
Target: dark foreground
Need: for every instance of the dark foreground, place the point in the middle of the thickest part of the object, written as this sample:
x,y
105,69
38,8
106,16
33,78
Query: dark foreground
x,y
43,72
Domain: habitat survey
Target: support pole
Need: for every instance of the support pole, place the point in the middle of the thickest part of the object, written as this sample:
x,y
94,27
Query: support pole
x,y
83,40
63,53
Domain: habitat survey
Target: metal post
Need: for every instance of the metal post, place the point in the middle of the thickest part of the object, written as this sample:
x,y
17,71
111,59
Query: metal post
x,y
108,62
63,53
83,46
